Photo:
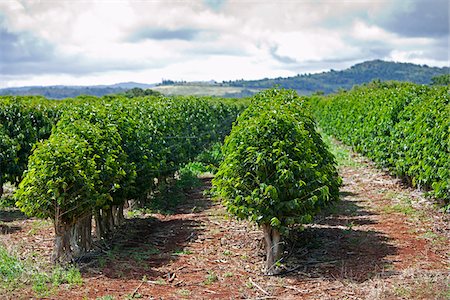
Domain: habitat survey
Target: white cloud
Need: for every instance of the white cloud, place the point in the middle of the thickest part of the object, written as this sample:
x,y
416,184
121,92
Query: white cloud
x,y
364,32
104,41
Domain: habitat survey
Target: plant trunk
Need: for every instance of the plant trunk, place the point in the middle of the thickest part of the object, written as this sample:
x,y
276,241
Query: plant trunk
x,y
75,239
1,184
62,251
109,220
273,248
82,235
118,215
105,222
99,229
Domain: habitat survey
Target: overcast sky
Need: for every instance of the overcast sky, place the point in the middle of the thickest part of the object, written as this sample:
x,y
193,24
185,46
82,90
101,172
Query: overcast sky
x,y
83,42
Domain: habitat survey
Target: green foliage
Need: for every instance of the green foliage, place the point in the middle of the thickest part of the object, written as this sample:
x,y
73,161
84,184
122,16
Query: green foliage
x,y
211,158
104,151
7,202
10,267
332,81
441,80
63,92
188,176
23,122
276,169
401,126
210,278
76,169
14,272
138,92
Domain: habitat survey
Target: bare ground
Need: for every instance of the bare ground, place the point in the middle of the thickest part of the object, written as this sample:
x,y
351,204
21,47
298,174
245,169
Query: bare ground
x,y
381,241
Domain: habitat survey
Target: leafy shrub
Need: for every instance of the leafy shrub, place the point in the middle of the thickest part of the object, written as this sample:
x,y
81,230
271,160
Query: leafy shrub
x,y
401,126
104,151
24,120
277,171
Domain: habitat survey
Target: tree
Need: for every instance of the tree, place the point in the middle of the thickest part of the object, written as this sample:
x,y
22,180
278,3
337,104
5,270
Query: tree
x,y
70,174
441,80
277,171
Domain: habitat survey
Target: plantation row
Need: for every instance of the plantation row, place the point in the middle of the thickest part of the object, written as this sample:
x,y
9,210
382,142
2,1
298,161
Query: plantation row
x,y
23,122
102,152
401,126
92,155
276,172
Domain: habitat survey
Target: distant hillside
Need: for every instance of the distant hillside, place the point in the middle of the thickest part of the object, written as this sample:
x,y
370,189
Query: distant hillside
x,y
62,91
331,81
327,82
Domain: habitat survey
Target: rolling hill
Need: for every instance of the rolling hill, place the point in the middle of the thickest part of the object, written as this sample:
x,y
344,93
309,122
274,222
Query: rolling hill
x,y
332,80
305,84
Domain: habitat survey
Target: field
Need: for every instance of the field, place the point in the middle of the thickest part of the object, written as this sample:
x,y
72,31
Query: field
x,y
173,197
198,90
381,241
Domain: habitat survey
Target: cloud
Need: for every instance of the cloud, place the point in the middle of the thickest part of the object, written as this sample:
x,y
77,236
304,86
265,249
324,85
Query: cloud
x,y
186,34
21,52
420,18
212,39
281,58
24,47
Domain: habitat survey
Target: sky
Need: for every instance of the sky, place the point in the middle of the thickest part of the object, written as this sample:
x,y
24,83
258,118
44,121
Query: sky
x,y
84,42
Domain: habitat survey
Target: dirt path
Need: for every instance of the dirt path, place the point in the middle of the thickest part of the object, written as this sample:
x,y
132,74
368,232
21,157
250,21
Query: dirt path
x,y
381,241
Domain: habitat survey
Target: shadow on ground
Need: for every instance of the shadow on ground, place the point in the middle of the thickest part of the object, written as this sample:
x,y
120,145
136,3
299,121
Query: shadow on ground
x,y
8,229
143,245
332,248
11,215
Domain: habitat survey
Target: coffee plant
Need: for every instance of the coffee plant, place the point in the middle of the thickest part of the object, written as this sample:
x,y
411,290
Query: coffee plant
x,y
403,127
276,170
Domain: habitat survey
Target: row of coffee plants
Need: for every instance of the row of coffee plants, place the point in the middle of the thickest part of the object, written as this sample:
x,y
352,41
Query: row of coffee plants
x,y
276,170
403,127
23,122
102,152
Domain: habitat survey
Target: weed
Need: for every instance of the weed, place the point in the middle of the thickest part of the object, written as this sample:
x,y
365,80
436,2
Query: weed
x,y
111,254
139,212
73,277
10,267
399,208
14,272
420,285
160,281
135,296
227,252
341,153
182,252
143,255
210,278
355,241
228,274
184,292
349,226
40,281
249,284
